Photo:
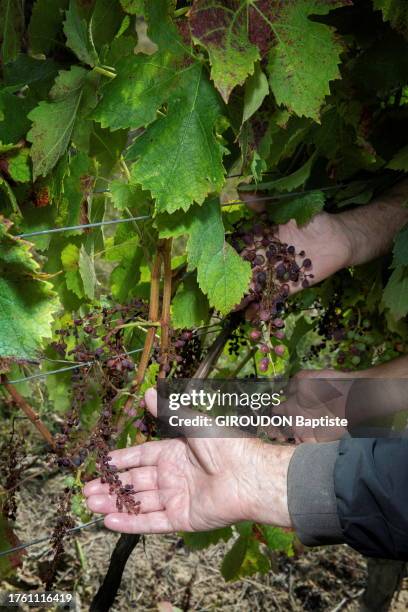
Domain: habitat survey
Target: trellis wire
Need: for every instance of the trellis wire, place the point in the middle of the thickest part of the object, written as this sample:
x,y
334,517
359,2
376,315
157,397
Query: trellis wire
x,y
80,364
10,551
56,230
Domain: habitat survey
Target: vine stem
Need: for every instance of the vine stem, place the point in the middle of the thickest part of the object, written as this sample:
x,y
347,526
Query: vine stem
x,y
30,413
125,545
166,302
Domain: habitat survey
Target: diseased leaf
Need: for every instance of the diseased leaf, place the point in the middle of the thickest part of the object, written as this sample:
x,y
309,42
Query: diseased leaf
x,y
27,302
395,296
223,28
46,24
301,208
53,122
238,33
396,12
222,275
301,66
189,307
77,33
8,539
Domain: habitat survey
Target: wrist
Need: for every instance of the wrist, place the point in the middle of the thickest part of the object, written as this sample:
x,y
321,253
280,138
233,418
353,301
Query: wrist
x,y
344,240
267,487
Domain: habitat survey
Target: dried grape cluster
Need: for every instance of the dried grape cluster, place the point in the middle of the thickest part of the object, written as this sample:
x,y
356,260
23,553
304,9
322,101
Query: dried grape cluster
x,y
97,340
64,523
12,465
275,267
184,355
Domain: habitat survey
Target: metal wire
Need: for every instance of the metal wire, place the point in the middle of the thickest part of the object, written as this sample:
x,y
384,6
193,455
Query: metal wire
x,y
282,196
56,230
79,364
4,553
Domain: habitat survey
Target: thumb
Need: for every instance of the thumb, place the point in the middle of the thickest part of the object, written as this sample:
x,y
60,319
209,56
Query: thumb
x,y
151,401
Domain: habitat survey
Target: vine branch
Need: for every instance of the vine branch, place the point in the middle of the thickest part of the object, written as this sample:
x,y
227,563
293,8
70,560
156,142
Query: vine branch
x,y
30,413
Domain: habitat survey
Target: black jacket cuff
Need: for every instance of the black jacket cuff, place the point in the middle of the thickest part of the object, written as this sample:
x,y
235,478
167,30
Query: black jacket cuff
x,y
311,496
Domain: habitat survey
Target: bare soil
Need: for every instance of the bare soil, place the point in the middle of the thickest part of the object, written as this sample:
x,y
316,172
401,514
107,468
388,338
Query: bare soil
x,y
162,569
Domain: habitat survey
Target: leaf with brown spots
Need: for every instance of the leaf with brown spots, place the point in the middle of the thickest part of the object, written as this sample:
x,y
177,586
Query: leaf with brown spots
x,y
304,55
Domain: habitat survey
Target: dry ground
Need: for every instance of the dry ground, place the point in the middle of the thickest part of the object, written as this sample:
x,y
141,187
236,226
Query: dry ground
x,y
327,579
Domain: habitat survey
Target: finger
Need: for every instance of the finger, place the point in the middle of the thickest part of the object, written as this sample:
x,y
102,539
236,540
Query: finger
x,y
153,522
106,504
137,456
142,479
151,401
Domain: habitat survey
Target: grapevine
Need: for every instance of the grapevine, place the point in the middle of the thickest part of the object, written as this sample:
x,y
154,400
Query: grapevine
x,y
150,154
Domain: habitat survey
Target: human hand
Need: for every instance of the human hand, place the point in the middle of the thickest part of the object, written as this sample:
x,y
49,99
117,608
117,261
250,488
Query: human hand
x,y
325,240
197,484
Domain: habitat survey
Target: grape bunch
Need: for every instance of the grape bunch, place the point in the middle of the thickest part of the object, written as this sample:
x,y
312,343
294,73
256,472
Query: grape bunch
x,y
276,266
184,354
12,465
97,341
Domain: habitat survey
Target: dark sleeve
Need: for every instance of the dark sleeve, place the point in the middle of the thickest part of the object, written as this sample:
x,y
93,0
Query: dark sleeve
x,y
371,487
311,497
355,492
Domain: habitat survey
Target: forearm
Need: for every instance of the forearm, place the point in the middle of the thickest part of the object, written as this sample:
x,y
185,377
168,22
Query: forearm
x,y
370,230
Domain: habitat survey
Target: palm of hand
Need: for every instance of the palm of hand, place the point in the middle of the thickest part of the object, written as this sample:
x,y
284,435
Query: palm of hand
x,y
191,485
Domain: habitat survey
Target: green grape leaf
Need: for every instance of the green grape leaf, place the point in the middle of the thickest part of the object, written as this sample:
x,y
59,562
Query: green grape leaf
x,y
74,183
126,275
256,90
223,30
27,302
53,122
400,160
45,24
133,7
401,248
204,539
13,117
70,263
11,20
105,22
87,272
396,12
189,307
126,195
395,296
178,158
301,208
244,559
221,274
19,166
77,34
290,182
141,86
278,539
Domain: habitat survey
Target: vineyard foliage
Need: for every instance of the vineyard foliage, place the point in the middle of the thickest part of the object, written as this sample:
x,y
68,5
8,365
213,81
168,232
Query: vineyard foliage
x,y
163,115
